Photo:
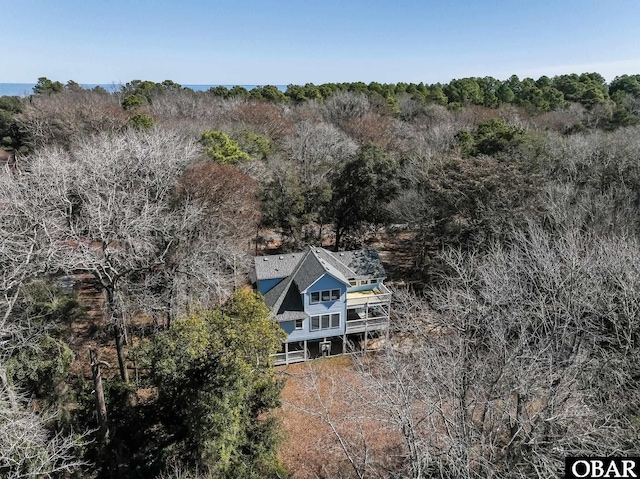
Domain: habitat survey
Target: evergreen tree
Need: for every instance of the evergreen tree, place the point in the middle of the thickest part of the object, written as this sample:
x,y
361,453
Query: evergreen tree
x,y
362,189
215,384
223,149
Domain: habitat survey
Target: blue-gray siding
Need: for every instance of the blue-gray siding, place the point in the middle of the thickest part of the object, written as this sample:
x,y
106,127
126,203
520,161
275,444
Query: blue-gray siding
x,y
326,282
266,285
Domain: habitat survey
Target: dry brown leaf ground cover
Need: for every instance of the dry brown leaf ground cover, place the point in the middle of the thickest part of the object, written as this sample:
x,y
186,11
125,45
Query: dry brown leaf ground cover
x,y
331,431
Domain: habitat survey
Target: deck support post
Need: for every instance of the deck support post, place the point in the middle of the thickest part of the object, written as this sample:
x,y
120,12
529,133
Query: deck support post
x,y
286,353
305,350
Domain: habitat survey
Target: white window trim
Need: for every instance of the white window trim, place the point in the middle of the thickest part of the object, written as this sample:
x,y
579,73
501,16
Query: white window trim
x,y
364,282
319,318
319,293
295,324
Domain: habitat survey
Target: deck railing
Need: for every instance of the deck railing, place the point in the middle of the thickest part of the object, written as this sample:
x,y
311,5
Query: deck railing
x,y
368,324
290,357
380,294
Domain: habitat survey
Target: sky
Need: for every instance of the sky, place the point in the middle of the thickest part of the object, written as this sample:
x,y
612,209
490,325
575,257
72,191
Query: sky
x,y
281,42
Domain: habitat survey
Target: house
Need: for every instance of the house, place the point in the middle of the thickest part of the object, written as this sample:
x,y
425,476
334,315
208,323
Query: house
x,y
323,300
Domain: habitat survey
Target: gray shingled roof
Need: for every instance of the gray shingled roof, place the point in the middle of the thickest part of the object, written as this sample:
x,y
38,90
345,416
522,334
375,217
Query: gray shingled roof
x,y
301,270
334,260
365,263
272,296
309,271
285,299
291,306
276,266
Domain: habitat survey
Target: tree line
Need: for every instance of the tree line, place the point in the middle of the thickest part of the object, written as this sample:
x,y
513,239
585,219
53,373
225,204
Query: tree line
x,y
590,90
543,94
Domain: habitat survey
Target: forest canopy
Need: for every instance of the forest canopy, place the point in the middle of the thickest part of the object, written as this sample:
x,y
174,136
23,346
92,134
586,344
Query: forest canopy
x,y
131,346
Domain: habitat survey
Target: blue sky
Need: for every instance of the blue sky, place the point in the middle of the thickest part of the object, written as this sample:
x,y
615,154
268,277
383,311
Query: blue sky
x,y
286,41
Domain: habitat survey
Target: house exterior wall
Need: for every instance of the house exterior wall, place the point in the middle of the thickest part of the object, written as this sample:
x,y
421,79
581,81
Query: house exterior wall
x,y
326,282
265,285
304,334
289,327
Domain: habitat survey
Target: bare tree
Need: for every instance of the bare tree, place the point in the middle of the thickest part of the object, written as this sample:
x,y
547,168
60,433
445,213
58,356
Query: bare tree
x,y
593,179
344,105
112,200
101,407
64,117
525,356
112,207
317,149
27,448
27,251
260,117
214,260
325,406
353,439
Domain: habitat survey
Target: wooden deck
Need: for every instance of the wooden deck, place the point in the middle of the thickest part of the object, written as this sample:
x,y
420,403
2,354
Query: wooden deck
x,y
297,352
290,357
364,325
380,294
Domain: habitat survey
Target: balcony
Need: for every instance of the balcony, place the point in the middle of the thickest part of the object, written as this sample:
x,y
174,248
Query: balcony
x,y
372,317
380,294
365,325
290,357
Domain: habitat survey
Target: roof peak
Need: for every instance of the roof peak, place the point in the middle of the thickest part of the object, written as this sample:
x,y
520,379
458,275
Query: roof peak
x,y
345,265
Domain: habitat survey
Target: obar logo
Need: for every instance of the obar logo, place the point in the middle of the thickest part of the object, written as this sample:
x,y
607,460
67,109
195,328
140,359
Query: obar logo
x,y
601,467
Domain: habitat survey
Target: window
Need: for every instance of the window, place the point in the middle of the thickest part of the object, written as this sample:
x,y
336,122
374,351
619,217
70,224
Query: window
x,y
353,282
298,323
326,295
364,281
325,321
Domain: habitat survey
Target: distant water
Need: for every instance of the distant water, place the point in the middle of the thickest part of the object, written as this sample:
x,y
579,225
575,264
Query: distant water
x,y
16,89
25,89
